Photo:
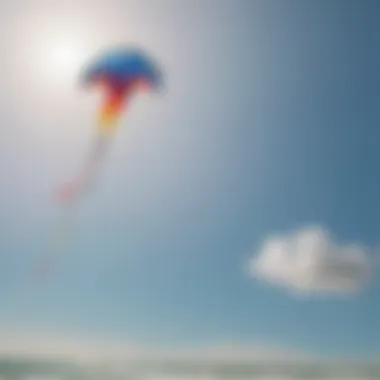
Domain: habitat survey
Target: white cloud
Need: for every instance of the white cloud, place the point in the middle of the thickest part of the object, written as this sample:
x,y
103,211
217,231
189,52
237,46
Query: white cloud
x,y
309,261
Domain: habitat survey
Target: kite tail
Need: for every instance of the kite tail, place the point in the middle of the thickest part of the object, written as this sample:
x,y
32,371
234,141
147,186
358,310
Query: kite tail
x,y
107,125
70,193
59,243
110,113
73,190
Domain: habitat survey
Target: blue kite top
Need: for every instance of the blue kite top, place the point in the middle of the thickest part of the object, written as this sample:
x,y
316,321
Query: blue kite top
x,y
124,64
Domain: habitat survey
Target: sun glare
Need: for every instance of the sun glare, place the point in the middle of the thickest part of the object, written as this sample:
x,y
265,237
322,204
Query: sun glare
x,y
65,58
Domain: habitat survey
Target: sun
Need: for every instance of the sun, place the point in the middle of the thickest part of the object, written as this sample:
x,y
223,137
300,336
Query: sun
x,y
64,58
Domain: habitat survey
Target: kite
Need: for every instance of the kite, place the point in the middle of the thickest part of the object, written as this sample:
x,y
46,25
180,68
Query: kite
x,y
119,74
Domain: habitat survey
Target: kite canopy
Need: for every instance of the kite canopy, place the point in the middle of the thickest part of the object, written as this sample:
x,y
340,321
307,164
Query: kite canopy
x,y
123,66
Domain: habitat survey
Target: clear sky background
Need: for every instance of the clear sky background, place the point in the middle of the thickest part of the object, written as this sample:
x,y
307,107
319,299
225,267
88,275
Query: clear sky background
x,y
269,126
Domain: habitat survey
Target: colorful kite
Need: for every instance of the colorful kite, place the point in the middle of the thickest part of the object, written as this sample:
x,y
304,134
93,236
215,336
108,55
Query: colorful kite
x,y
119,74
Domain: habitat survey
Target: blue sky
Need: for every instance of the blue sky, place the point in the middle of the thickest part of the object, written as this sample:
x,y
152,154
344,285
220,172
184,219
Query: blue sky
x,y
268,125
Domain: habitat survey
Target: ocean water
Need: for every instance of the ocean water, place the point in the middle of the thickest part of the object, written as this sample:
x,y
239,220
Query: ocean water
x,y
19,369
